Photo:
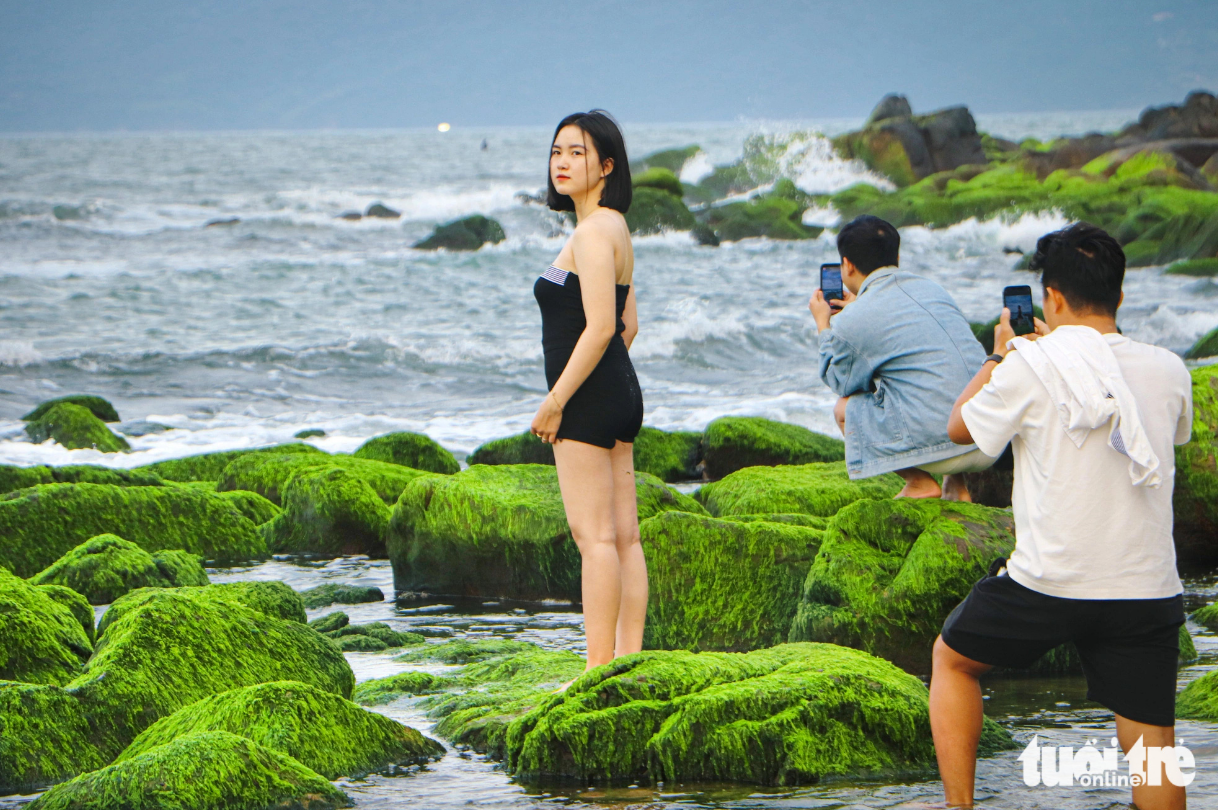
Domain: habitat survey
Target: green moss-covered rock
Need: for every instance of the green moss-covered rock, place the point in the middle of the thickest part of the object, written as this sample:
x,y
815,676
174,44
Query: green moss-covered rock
x,y
385,636
1205,268
381,691
330,621
75,428
731,443
214,770
656,210
1206,346
775,217
497,531
79,607
723,585
1195,497
1199,700
210,466
269,597
45,737
409,450
466,650
40,525
329,510
671,159
889,572
811,489
255,507
43,641
99,407
309,433
661,178
469,233
1207,616
321,730
791,714
668,456
268,474
523,448
15,478
336,593
105,567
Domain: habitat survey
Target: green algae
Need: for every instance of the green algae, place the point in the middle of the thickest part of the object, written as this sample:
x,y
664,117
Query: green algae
x,y
659,177
464,651
668,456
523,448
812,489
96,405
213,770
330,621
76,604
75,427
1207,616
723,585
15,478
791,714
271,598
105,567
329,510
889,572
382,691
44,737
497,531
268,473
657,210
44,641
41,524
1199,700
352,636
255,507
331,593
789,518
210,466
1205,347
1205,268
409,450
321,730
771,216
731,443
1195,497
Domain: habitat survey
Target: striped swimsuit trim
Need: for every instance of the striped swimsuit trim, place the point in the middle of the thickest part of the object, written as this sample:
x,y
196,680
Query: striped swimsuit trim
x,y
556,275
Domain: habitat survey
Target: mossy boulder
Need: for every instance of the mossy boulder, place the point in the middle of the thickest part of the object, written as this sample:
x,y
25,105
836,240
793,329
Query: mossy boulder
x,y
41,524
380,691
338,593
466,650
810,489
268,474
323,731
469,233
409,450
271,598
255,507
76,428
889,572
661,178
523,448
329,510
720,584
214,770
1207,616
75,603
731,443
105,567
14,478
1195,497
656,210
787,715
668,456
1205,347
770,216
43,641
330,621
497,531
1199,700
99,407
45,737
672,160
210,466
1204,268
372,637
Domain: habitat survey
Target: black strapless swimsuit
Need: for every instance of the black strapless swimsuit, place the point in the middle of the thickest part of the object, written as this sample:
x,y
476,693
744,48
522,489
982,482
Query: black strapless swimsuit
x,y
608,407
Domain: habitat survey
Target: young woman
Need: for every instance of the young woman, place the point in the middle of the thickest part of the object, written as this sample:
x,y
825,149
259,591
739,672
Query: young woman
x,y
594,409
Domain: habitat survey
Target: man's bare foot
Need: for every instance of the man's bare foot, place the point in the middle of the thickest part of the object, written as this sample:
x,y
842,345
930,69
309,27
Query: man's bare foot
x,y
918,484
956,489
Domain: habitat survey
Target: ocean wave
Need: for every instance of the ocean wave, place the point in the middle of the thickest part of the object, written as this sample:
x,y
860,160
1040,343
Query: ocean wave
x,y
17,353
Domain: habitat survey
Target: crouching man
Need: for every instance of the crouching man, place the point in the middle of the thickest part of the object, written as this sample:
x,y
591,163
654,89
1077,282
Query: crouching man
x,y
898,354
1092,418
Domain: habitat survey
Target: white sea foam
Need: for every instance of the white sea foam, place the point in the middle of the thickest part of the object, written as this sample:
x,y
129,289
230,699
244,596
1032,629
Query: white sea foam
x,y
18,353
696,168
817,168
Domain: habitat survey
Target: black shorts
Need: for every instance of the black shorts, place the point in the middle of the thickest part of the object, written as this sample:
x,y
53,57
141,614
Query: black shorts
x,y
1129,647
608,407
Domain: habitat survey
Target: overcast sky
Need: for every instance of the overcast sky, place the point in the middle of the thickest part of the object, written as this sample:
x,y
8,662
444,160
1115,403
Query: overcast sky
x,y
304,64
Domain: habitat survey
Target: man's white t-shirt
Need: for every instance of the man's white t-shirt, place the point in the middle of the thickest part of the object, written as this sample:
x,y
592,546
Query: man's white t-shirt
x,y
1082,529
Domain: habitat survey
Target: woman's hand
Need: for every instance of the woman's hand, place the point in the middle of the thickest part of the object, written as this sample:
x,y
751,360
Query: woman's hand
x,y
546,421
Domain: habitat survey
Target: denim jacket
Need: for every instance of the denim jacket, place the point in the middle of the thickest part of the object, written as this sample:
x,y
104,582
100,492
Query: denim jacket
x,y
902,352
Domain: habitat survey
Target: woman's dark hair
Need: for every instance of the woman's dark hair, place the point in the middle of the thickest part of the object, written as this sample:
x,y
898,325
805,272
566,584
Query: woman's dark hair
x,y
607,139
869,243
1085,265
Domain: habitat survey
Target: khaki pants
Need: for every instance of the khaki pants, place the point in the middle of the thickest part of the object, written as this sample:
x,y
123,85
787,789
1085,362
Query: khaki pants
x,y
972,461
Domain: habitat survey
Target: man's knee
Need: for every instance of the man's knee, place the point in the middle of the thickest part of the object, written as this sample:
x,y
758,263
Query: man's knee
x,y
944,658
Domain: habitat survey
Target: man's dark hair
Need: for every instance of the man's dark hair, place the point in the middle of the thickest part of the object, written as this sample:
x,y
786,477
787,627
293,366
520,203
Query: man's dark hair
x,y
1085,265
610,145
869,243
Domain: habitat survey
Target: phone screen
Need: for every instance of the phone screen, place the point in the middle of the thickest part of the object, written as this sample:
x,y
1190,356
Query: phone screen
x,y
1019,301
831,281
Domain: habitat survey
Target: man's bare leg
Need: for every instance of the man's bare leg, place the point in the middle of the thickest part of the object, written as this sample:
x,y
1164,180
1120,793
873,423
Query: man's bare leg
x,y
839,414
955,488
1164,796
918,484
955,720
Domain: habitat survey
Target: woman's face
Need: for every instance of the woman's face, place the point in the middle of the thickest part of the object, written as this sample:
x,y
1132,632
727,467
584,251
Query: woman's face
x,y
575,167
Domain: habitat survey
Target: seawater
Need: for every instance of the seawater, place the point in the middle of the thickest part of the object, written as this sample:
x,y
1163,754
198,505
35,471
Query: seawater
x,y
241,335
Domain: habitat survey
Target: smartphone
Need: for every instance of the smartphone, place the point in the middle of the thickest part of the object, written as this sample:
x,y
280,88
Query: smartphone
x,y
831,282
1018,299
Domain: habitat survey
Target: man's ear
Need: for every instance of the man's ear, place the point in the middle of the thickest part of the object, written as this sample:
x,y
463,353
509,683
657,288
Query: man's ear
x,y
848,267
1121,300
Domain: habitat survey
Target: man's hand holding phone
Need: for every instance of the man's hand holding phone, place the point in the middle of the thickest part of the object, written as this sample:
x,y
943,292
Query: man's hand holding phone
x,y
823,309
1004,332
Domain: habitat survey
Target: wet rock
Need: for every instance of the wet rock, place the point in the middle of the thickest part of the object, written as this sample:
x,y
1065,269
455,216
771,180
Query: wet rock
x,y
142,427
329,594
14,478
381,211
889,572
350,216
893,105
43,640
523,448
656,210
811,489
674,456
1197,117
328,510
671,160
211,223
99,407
409,450
41,524
907,148
331,621
1195,497
469,233
105,567
731,443
1206,346
319,729
75,428
776,215
721,584
372,637
310,433
210,466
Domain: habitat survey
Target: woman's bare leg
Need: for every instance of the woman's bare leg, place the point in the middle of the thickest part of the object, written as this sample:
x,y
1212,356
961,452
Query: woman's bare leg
x,y
633,611
586,479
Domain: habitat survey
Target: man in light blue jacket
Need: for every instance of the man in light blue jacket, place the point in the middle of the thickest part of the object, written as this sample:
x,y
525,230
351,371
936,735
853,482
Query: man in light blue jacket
x,y
898,352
